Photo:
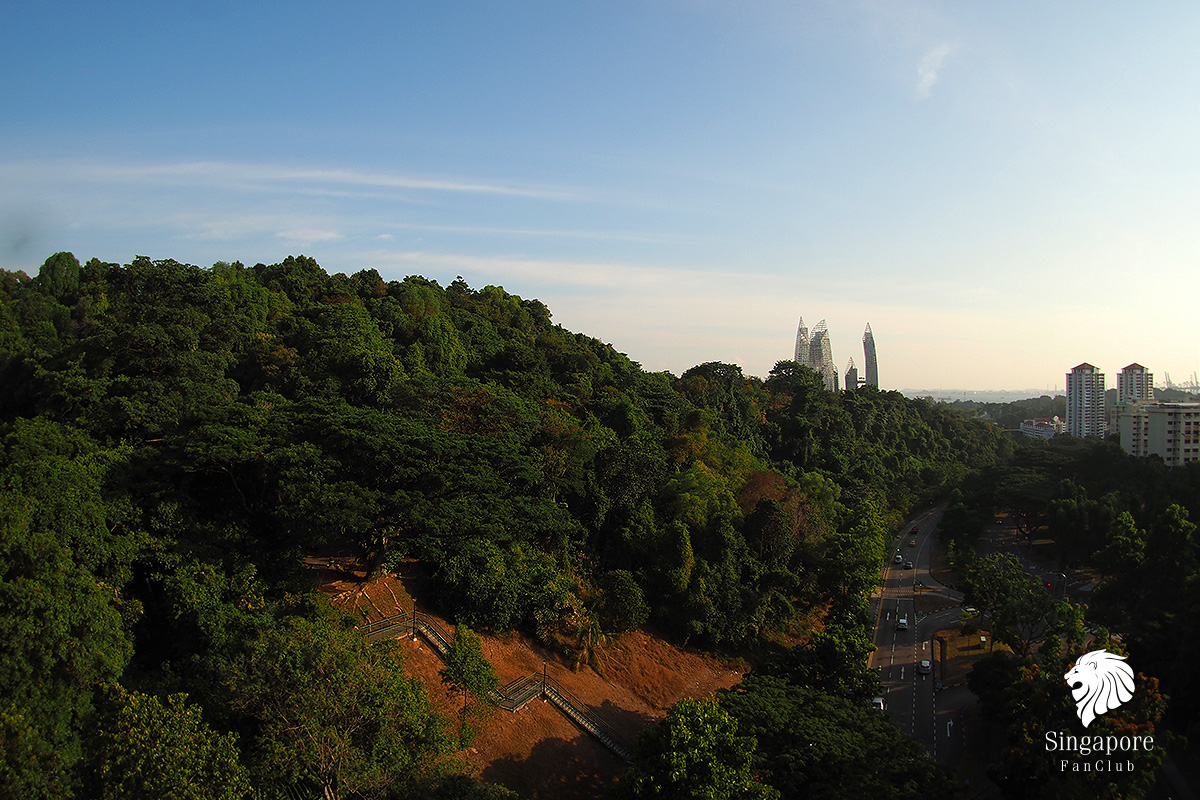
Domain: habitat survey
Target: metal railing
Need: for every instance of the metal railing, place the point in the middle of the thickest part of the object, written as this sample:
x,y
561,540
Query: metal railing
x,y
513,696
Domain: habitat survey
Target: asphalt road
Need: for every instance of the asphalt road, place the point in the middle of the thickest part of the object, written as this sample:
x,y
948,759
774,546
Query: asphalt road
x,y
911,699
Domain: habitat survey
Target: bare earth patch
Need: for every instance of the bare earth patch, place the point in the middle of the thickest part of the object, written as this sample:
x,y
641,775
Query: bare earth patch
x,y
537,751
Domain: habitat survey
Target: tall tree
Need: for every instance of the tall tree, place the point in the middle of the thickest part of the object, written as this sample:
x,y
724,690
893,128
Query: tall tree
x,y
59,277
1015,602
695,754
61,625
331,711
154,751
468,670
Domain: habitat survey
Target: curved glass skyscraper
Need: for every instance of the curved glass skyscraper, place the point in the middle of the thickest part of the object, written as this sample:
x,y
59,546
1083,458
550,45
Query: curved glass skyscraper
x,y
801,344
814,350
820,356
871,365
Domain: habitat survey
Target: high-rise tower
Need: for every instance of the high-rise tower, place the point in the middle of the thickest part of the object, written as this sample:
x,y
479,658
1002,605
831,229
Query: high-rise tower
x,y
1085,401
872,366
851,376
801,344
1135,382
820,356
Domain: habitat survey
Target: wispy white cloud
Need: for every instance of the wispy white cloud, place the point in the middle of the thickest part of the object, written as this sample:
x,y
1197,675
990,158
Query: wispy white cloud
x,y
304,237
268,177
290,229
929,68
550,233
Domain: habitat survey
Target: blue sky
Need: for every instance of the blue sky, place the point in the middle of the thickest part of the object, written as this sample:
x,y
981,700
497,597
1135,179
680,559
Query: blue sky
x,y
1001,190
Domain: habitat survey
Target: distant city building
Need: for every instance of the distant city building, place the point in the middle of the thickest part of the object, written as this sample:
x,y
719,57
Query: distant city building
x,y
872,366
815,351
1134,427
801,344
1112,410
1135,383
851,376
820,356
1168,430
1044,427
1174,432
1085,402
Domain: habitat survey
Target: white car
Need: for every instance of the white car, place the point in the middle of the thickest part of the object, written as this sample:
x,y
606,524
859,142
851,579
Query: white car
x,y
878,704
924,667
902,623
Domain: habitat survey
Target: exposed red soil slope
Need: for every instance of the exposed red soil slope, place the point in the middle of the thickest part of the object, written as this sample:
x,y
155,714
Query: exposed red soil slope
x,y
537,751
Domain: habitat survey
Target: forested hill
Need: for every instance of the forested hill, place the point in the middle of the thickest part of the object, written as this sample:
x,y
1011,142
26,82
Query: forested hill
x,y
174,439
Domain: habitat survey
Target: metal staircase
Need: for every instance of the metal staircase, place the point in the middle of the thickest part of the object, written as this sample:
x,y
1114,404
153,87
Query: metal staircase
x,y
513,696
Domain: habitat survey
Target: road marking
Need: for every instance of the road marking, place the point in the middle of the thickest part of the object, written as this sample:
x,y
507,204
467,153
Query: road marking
x,y
901,673
949,725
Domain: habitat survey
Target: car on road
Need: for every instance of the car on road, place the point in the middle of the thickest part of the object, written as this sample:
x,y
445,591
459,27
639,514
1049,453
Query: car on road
x,y
912,542
912,531
902,623
878,704
908,565
924,667
897,559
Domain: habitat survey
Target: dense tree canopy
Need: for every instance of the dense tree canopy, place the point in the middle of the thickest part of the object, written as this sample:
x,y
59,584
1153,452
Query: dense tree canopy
x,y
173,439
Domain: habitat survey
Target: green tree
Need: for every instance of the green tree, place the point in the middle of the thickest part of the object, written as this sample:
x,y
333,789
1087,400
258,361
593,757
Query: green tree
x,y
149,750
833,660
1016,603
815,745
622,606
61,634
1125,550
695,754
332,712
470,673
59,277
350,357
